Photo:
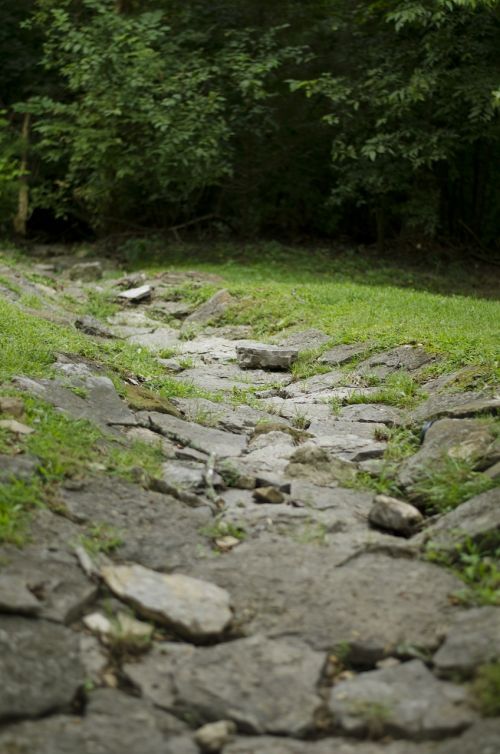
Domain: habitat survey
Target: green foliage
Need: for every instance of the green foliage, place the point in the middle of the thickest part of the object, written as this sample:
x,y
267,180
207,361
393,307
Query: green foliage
x,y
399,389
453,483
477,563
101,538
17,499
486,690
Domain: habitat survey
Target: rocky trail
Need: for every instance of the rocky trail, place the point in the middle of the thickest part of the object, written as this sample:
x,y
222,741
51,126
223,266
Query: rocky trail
x,y
255,597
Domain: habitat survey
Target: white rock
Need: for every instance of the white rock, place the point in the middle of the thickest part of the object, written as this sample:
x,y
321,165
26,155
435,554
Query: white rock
x,y
394,515
196,609
212,737
136,294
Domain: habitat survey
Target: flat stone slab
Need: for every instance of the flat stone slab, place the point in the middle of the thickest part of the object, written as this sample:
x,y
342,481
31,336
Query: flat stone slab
x,y
444,405
373,412
164,338
343,354
261,356
320,383
472,520
59,589
259,684
134,295
96,399
481,738
212,309
459,439
337,745
114,723
405,701
473,640
155,530
378,604
307,340
206,439
237,419
40,667
220,377
409,358
195,609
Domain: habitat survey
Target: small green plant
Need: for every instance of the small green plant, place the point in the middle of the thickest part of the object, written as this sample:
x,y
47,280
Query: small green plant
x,y
477,563
300,420
101,538
400,389
99,305
167,353
17,499
451,484
81,392
186,362
401,443
336,406
31,301
311,534
374,714
486,690
188,332
205,417
219,529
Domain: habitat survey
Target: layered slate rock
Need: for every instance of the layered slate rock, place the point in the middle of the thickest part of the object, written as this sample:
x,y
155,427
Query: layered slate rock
x,y
456,439
22,467
194,608
455,406
378,604
306,340
212,309
337,745
237,419
320,383
259,684
472,640
98,401
155,530
205,439
40,667
481,738
472,520
227,377
260,356
114,723
373,412
405,701
343,354
408,358
59,589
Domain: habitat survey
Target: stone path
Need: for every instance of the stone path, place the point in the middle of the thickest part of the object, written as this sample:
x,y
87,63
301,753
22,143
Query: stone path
x,y
257,602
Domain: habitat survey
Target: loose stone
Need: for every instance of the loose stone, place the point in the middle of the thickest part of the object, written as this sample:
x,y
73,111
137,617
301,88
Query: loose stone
x,y
212,737
196,609
394,515
134,295
266,357
268,495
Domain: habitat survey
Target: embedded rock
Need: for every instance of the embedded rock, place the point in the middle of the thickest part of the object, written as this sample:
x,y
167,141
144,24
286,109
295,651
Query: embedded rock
x,y
15,597
394,515
467,440
92,326
135,295
409,358
212,737
40,667
472,520
86,272
455,406
307,340
472,640
373,413
343,354
260,684
212,309
405,701
206,439
22,467
196,609
266,357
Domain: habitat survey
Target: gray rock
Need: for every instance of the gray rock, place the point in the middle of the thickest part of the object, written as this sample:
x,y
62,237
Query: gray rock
x,y
175,309
373,412
237,419
259,684
86,272
214,308
269,495
260,356
275,745
15,597
456,406
404,701
156,530
135,295
114,723
188,475
39,665
481,738
394,515
305,341
196,609
320,383
472,520
377,604
212,737
92,326
215,377
314,464
98,402
164,338
459,439
473,640
206,439
22,467
343,354
493,472
409,358
59,589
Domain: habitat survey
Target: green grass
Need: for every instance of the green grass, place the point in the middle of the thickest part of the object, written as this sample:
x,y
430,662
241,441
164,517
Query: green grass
x,y
350,298
477,564
17,499
399,389
445,488
486,690
101,538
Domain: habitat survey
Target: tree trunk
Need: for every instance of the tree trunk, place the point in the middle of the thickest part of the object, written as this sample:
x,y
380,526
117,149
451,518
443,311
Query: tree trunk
x,y
21,218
